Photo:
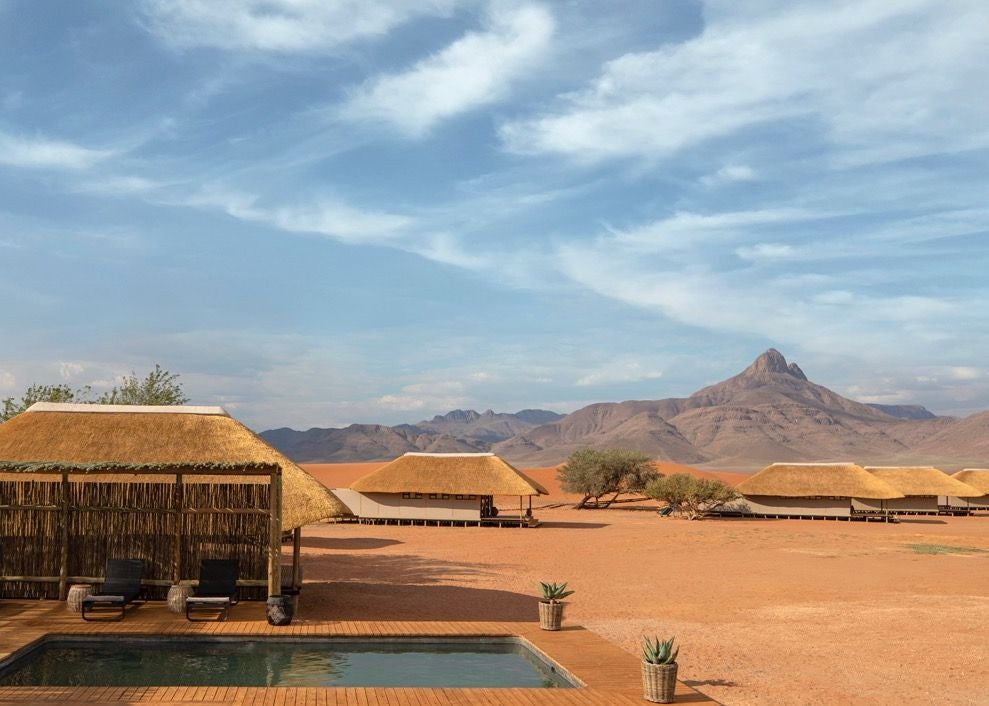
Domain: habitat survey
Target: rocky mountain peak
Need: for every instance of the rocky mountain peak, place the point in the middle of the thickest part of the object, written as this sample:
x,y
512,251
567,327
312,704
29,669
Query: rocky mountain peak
x,y
796,372
463,416
772,361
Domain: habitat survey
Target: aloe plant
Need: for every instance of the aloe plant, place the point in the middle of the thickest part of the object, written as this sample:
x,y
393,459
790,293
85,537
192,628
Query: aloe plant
x,y
554,593
658,651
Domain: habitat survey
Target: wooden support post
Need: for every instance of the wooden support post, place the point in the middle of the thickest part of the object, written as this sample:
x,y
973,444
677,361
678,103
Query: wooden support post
x,y
63,572
521,513
275,547
296,552
177,543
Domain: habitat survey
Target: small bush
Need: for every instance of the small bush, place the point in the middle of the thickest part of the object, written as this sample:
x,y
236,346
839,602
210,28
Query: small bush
x,y
691,497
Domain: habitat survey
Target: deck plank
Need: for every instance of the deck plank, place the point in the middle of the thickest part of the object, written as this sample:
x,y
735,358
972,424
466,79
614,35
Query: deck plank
x,y
610,674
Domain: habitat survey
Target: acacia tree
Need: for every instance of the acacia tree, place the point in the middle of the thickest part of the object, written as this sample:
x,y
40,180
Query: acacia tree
x,y
690,496
160,387
41,393
594,474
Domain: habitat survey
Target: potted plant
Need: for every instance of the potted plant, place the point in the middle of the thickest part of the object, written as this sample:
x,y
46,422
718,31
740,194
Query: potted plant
x,y
550,605
659,670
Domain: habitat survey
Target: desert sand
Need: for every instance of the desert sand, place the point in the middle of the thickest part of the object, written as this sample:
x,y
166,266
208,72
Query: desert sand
x,y
766,611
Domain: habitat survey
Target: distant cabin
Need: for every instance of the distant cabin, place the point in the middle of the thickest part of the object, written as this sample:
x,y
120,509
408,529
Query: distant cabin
x,y
922,488
441,488
814,490
977,478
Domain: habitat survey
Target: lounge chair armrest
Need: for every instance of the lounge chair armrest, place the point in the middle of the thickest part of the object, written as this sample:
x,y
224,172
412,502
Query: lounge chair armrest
x,y
104,599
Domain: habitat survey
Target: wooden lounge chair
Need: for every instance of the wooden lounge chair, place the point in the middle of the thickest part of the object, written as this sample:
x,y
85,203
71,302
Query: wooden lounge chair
x,y
216,592
121,586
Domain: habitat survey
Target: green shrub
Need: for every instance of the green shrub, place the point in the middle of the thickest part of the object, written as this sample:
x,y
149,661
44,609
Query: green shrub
x,y
691,496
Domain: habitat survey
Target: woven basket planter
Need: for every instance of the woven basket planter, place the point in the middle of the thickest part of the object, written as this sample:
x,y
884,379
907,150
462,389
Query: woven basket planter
x,y
77,592
659,682
177,595
550,615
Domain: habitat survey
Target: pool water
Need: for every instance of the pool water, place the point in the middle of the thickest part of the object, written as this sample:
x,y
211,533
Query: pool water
x,y
260,662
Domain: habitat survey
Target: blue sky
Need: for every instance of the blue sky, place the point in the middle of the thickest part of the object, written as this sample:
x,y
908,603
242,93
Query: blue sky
x,y
325,212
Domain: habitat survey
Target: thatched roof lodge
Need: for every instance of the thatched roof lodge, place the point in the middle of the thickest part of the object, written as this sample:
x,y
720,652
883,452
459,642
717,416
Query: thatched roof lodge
x,y
811,489
977,478
439,486
921,487
83,483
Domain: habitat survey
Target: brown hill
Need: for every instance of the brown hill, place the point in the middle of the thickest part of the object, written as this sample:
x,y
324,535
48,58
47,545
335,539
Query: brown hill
x,y
460,431
768,412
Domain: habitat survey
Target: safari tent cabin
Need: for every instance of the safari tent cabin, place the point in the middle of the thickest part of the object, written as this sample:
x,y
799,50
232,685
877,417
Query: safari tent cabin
x,y
977,478
442,488
81,483
817,490
920,485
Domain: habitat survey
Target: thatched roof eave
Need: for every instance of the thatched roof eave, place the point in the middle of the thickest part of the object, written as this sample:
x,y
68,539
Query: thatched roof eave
x,y
126,440
449,474
922,481
809,480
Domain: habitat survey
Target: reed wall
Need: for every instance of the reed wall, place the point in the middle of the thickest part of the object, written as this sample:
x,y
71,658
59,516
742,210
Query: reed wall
x,y
109,520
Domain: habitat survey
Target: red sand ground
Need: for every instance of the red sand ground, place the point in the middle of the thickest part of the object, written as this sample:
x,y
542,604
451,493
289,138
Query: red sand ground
x,y
767,611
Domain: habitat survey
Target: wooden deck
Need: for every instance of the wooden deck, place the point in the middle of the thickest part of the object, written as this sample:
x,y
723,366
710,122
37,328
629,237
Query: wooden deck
x,y
609,674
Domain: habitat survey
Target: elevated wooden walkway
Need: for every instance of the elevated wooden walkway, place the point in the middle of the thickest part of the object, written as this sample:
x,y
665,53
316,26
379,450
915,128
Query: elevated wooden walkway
x,y
610,675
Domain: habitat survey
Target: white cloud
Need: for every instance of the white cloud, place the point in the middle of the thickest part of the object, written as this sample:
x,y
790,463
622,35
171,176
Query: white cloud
x,y
69,369
326,215
475,70
764,251
43,153
446,248
118,185
440,395
880,80
618,371
7,380
730,173
815,311
281,25
684,231
965,373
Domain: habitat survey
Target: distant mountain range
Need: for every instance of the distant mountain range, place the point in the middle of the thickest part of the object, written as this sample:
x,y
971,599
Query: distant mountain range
x,y
768,412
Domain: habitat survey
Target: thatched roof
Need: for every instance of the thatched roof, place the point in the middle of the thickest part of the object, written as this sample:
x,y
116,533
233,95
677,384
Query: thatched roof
x,y
450,474
977,478
123,439
807,480
922,480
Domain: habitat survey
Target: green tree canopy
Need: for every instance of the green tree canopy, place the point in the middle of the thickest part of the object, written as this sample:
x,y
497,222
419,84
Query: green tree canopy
x,y
690,496
594,474
41,393
160,387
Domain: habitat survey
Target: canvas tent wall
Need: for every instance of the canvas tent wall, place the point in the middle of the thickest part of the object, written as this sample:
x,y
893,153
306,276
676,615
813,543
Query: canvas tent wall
x,y
920,485
810,490
440,487
83,483
977,478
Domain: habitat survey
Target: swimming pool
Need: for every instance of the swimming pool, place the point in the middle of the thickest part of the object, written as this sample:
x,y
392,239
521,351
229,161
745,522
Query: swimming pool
x,y
319,662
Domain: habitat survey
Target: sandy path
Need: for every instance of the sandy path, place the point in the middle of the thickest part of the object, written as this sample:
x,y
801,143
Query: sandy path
x,y
768,612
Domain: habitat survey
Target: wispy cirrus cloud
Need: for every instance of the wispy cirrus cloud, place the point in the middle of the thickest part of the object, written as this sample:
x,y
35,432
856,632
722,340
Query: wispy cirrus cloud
x,y
878,80
46,153
477,69
285,26
326,215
